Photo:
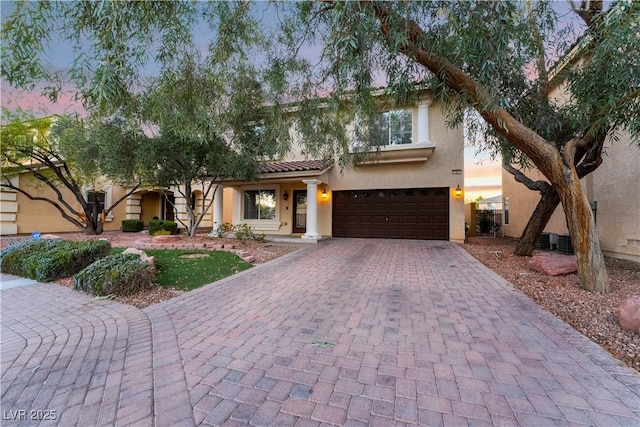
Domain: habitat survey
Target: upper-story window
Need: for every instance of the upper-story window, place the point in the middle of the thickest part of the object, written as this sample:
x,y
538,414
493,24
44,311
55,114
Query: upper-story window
x,y
391,128
259,204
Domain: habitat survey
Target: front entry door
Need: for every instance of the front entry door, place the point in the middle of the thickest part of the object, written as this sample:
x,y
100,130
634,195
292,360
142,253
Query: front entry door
x,y
168,202
299,211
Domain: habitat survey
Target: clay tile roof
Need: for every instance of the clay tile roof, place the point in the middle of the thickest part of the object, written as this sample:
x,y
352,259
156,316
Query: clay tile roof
x,y
295,166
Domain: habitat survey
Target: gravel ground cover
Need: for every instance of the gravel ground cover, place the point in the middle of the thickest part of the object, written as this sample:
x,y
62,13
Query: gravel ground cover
x,y
592,314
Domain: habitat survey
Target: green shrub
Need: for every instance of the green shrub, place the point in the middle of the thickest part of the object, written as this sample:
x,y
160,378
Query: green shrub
x,y
47,260
120,274
156,225
223,229
132,225
244,232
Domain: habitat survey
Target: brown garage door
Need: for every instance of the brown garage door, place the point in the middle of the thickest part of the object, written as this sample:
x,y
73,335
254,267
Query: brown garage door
x,y
418,213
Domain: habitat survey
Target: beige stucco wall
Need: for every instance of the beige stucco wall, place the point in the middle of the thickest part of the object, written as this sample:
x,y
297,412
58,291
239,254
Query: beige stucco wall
x,y
434,172
150,204
614,186
43,217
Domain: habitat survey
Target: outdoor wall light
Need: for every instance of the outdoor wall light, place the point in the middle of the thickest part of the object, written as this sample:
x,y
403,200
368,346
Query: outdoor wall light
x,y
285,195
458,191
324,193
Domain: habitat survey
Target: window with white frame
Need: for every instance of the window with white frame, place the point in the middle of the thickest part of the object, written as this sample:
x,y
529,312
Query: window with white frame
x,y
260,204
392,128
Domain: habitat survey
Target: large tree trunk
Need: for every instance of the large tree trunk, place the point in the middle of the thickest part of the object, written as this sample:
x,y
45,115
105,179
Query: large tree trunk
x,y
94,227
91,230
590,160
538,221
591,267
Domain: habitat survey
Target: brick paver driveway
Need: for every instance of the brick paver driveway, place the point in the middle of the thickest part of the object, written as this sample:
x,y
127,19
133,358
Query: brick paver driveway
x,y
347,332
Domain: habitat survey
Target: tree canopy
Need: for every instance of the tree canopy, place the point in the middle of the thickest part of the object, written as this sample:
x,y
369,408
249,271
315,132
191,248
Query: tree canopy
x,y
206,129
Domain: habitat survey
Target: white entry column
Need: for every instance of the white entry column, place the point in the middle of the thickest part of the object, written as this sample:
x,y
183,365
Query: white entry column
x,y
312,209
217,207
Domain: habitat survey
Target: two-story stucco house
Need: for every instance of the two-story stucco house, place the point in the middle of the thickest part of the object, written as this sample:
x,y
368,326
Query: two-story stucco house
x,y
406,190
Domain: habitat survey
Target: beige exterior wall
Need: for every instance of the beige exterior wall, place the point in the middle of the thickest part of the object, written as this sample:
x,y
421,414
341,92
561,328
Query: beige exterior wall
x,y
9,210
181,207
614,186
150,206
43,217
436,171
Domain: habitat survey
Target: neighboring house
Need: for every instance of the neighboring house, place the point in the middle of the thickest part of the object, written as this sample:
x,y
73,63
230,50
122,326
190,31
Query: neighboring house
x,y
20,215
490,203
405,190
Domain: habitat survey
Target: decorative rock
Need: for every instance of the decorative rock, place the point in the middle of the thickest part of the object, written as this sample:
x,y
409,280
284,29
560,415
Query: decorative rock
x,y
554,264
250,259
142,254
166,239
629,314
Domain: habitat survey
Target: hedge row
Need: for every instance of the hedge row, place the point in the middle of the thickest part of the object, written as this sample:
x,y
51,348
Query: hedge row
x,y
159,225
132,225
48,260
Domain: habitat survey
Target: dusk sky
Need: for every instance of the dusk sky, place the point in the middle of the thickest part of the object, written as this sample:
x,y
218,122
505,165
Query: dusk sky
x,y
482,175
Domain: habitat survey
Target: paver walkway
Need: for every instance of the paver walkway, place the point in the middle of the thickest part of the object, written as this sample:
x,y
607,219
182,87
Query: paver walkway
x,y
347,332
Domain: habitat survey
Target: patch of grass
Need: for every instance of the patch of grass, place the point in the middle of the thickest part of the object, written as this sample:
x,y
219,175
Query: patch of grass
x,y
192,273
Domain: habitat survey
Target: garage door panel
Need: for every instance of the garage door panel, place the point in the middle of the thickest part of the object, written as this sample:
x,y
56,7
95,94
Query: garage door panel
x,y
394,207
421,213
440,219
394,220
410,221
409,233
410,207
423,219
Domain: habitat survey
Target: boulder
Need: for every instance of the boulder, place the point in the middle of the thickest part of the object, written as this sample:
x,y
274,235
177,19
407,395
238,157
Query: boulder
x,y
142,254
166,239
629,314
553,264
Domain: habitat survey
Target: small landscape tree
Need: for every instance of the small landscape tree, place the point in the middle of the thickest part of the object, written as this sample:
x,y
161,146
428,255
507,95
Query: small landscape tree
x,y
69,153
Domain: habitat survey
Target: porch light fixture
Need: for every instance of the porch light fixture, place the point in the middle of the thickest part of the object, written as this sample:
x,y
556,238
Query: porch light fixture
x,y
324,193
285,195
458,191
